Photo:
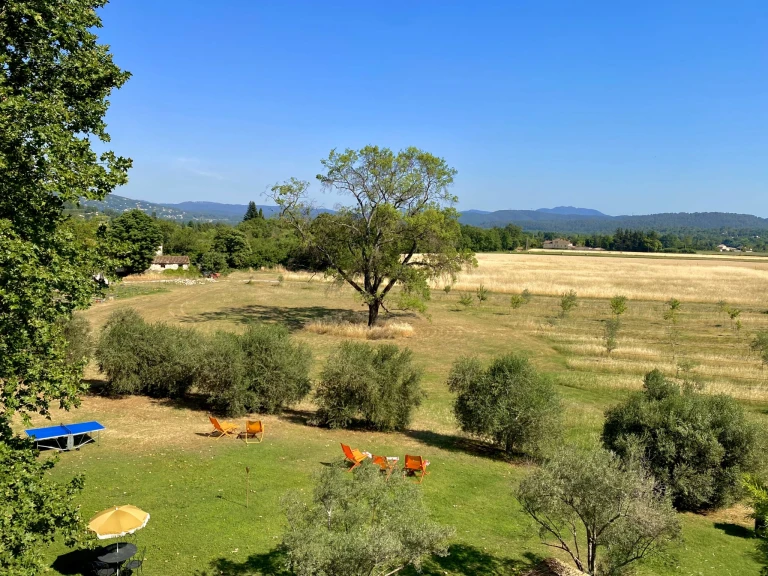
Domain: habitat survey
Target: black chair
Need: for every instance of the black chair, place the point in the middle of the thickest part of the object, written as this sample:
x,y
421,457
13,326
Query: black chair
x,y
102,569
134,565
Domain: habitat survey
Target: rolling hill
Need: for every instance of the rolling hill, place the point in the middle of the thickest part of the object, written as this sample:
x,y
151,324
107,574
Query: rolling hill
x,y
563,219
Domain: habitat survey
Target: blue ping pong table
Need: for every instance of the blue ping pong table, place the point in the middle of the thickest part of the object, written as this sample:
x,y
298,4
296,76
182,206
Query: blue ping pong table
x,y
73,436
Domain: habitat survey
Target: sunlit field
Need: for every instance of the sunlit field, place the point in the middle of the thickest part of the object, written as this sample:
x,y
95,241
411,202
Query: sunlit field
x,y
156,455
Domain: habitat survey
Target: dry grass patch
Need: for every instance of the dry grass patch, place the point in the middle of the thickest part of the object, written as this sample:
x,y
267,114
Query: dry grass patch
x,y
348,329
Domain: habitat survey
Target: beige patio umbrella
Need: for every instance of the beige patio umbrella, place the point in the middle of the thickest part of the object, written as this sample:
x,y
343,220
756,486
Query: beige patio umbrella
x,y
118,521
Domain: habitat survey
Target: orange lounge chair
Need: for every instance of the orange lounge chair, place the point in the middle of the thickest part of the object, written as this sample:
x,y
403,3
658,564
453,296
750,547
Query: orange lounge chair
x,y
255,429
354,456
414,465
386,463
223,428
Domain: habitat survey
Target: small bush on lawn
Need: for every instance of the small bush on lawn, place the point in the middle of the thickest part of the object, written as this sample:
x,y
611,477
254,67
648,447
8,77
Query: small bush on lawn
x,y
696,445
377,385
262,370
508,403
141,358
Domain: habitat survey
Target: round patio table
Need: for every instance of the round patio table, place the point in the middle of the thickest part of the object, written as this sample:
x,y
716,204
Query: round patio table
x,y
117,553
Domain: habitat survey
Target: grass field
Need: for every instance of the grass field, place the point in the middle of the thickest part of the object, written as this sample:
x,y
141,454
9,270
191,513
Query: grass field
x,y
156,454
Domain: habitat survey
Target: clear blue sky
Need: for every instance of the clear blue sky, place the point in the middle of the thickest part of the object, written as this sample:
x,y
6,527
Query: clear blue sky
x,y
626,107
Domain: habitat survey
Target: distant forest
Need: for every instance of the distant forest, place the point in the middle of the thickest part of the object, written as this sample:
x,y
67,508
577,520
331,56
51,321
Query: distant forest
x,y
260,241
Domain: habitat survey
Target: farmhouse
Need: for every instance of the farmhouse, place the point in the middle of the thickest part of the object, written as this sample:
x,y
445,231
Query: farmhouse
x,y
558,244
170,263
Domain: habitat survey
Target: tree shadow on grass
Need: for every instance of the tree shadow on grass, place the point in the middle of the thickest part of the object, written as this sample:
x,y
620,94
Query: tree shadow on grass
x,y
292,318
461,559
735,530
461,444
74,562
271,563
471,561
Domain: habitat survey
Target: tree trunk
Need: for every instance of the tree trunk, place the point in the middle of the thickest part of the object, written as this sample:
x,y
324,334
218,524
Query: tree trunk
x,y
373,312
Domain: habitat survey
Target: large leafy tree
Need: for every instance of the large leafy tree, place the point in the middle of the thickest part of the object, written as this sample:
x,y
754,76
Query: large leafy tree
x,y
363,525
136,239
55,79
603,513
399,228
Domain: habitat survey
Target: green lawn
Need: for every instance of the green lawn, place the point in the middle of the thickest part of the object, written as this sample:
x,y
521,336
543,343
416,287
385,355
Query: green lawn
x,y
155,455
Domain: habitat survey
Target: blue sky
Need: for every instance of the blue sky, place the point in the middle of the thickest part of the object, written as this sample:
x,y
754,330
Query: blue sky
x,y
629,108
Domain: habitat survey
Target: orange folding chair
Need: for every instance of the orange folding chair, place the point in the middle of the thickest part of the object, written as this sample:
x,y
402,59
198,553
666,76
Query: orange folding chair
x,y
223,428
386,463
414,465
254,429
354,456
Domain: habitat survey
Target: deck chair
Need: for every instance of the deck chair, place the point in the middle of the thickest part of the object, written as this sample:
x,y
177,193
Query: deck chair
x,y
414,465
387,465
223,428
354,456
254,429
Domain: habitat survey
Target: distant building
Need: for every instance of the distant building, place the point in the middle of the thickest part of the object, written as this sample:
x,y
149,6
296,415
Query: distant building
x,y
170,263
724,248
557,244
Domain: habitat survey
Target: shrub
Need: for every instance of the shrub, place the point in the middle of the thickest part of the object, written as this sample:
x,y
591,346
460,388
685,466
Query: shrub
x,y
360,524
612,326
465,300
568,301
527,296
262,370
212,262
508,403
516,300
141,358
618,305
604,513
377,385
697,446
482,293
760,346
77,332
447,289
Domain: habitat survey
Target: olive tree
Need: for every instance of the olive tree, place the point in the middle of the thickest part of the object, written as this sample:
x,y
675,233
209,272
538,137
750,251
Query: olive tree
x,y
399,228
360,524
509,403
604,513
697,446
377,385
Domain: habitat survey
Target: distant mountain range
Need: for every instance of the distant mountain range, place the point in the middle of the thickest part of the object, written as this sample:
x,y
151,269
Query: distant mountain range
x,y
564,219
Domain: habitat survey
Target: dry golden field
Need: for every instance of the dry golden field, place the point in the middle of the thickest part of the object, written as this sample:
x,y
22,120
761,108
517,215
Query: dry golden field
x,y
639,278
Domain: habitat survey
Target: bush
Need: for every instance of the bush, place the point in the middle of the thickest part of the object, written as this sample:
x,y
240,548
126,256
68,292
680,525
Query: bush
x,y
697,446
568,301
482,293
465,300
759,345
77,333
212,262
509,403
262,370
141,358
377,385
516,300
